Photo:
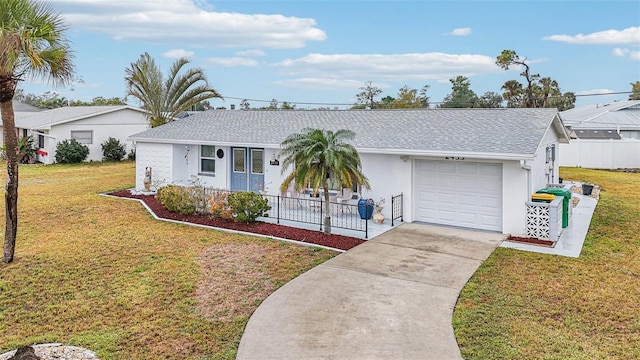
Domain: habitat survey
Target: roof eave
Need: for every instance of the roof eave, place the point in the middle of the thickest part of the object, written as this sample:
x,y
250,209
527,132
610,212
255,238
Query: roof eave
x,y
399,152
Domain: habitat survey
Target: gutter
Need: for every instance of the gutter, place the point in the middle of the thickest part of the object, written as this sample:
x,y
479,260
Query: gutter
x,y
399,152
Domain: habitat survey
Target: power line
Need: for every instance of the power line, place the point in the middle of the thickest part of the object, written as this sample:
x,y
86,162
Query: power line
x,y
430,102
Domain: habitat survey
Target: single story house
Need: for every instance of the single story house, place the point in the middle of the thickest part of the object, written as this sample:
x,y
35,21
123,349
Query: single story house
x,y
89,125
472,168
603,136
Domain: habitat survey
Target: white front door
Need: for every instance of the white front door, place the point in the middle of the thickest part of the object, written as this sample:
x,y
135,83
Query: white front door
x,y
459,193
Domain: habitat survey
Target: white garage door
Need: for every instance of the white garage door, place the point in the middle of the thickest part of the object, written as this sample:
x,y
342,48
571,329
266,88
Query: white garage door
x,y
459,193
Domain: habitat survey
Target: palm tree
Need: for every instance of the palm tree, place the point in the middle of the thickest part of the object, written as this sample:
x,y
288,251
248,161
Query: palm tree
x,y
319,157
32,45
163,98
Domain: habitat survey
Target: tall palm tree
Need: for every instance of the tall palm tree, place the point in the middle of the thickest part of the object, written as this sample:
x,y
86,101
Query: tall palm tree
x,y
318,157
164,98
32,45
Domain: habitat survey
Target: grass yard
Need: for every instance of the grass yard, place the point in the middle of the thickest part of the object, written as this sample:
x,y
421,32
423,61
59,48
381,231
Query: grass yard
x,y
522,305
100,273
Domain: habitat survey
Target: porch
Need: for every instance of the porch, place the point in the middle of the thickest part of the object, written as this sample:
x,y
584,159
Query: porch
x,y
347,217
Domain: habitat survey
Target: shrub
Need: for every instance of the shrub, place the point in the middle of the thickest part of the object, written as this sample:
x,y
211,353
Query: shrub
x,y
177,199
219,205
113,150
247,205
27,148
132,154
71,152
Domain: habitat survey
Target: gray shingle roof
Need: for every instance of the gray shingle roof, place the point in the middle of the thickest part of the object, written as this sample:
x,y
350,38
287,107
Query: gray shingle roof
x,y
44,119
424,131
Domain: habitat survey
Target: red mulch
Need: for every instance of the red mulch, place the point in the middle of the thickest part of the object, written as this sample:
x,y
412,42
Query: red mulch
x,y
532,241
275,230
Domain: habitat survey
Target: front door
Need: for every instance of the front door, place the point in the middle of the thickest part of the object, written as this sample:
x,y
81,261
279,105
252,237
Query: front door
x,y
247,169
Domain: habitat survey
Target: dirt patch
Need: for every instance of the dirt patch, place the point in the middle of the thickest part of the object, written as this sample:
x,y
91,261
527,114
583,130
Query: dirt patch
x,y
232,282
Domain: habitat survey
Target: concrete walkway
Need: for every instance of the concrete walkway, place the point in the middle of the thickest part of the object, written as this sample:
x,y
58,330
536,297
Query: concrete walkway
x,y
572,238
390,298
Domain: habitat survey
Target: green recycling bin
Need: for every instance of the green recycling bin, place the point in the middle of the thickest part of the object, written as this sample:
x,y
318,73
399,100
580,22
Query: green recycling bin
x,y
566,201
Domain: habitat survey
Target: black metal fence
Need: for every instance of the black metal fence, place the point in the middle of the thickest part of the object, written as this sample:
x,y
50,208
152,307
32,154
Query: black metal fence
x,y
397,210
310,210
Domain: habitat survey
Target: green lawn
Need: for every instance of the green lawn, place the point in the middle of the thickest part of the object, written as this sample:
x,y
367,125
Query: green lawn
x,y
100,273
522,305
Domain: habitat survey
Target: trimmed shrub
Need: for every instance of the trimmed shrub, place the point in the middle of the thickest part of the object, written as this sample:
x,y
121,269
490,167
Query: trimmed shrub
x,y
71,152
248,206
113,150
177,199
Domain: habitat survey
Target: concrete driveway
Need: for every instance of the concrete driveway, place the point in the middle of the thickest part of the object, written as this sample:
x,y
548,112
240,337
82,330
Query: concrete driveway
x,y
390,298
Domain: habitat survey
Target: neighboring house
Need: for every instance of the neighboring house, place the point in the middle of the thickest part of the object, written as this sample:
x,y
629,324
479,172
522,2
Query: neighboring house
x,y
603,136
473,168
89,125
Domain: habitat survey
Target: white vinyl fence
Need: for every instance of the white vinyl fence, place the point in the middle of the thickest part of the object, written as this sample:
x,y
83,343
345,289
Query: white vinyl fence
x,y
601,154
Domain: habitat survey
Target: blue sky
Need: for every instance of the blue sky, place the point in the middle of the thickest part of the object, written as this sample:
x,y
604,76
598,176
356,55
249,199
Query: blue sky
x,y
322,52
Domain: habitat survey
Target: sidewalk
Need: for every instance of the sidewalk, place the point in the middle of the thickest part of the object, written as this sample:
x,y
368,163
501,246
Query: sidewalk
x,y
572,238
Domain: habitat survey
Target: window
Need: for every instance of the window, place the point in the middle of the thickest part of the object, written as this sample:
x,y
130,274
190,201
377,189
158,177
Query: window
x,y
239,160
41,141
83,137
257,165
24,133
207,159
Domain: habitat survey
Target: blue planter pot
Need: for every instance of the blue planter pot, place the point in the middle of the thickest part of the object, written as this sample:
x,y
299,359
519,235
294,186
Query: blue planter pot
x,y
364,209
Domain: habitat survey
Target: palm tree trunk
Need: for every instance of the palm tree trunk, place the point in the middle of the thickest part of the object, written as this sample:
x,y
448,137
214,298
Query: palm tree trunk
x,y
327,211
11,193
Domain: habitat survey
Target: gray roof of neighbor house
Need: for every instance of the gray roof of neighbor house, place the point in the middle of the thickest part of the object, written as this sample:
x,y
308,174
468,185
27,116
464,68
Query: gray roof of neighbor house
x,y
622,115
19,106
487,133
596,134
45,119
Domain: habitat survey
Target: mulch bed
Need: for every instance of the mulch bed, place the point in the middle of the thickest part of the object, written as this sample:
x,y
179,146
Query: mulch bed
x,y
531,241
276,230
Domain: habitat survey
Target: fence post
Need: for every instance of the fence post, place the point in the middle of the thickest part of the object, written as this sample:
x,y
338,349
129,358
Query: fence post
x,y
321,219
366,226
278,212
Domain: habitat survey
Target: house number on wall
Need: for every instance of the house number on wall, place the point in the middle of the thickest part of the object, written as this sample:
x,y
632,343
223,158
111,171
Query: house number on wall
x,y
453,158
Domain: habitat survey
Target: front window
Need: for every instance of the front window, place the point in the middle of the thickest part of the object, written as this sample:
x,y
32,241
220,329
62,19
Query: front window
x,y
41,141
83,137
207,159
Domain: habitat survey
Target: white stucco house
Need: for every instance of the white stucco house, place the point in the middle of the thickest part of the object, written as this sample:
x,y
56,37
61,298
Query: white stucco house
x,y
472,168
604,136
89,125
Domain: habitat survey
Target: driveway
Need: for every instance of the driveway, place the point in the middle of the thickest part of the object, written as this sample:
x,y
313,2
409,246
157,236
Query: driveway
x,y
389,298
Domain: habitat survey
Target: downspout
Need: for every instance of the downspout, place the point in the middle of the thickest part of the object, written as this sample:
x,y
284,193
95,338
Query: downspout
x,y
527,167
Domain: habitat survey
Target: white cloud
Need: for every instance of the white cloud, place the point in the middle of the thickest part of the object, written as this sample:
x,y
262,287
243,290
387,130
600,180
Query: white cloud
x,y
461,31
178,53
232,61
363,67
628,36
251,53
632,55
323,83
595,91
184,22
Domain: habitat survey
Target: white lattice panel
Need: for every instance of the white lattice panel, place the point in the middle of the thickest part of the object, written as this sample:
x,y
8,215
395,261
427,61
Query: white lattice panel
x,y
538,221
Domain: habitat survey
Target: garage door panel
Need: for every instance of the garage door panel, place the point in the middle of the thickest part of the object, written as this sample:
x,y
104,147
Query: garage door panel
x,y
462,194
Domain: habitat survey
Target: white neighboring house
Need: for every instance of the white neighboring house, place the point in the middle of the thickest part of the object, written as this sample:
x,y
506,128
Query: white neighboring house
x,y
89,125
473,168
603,136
